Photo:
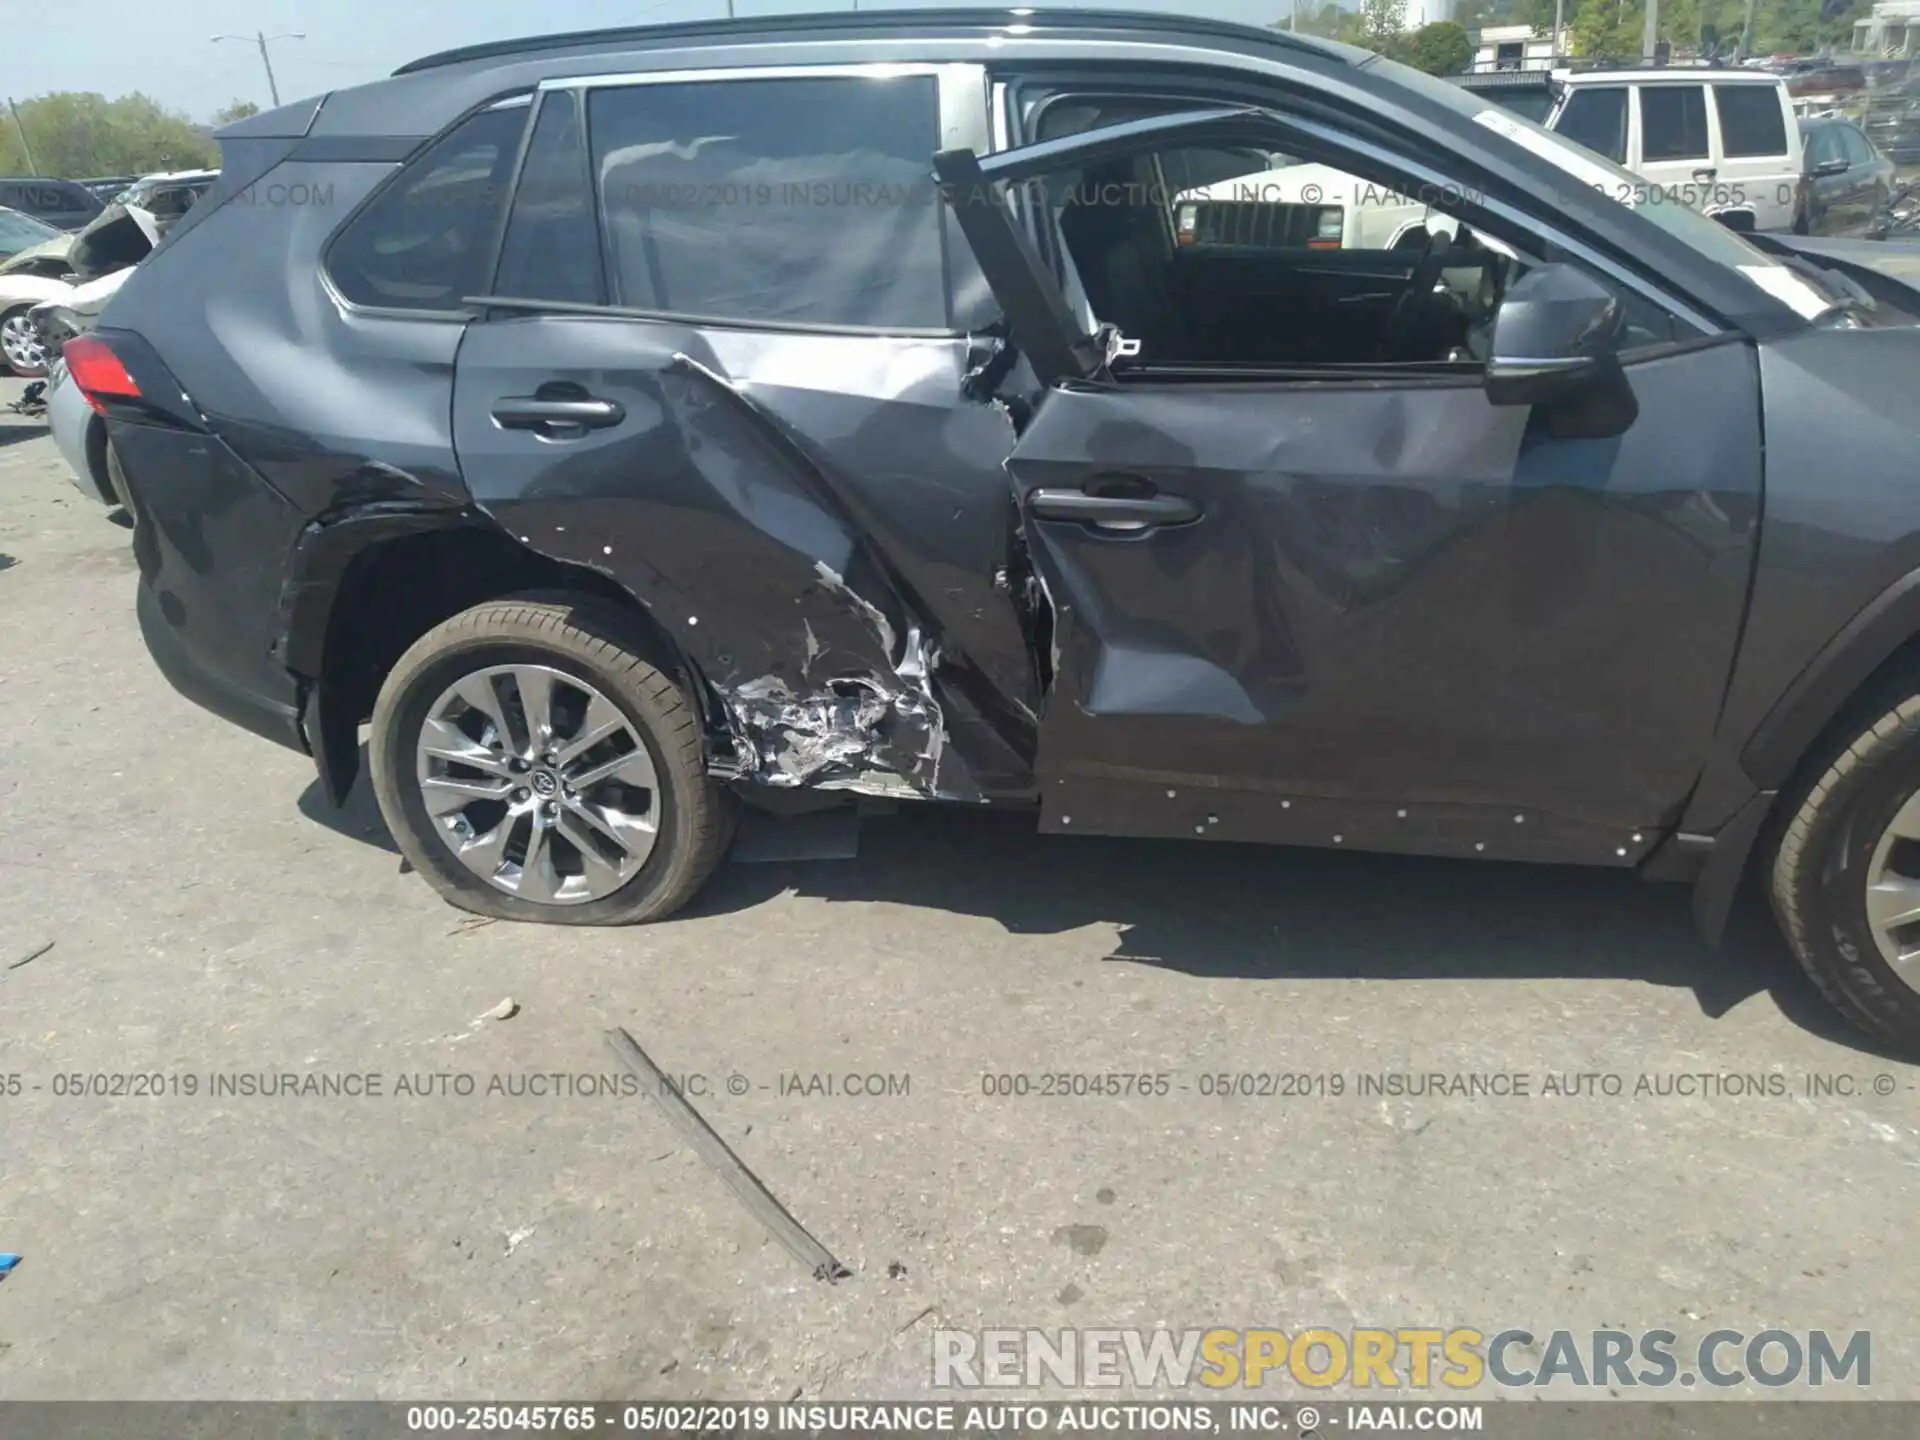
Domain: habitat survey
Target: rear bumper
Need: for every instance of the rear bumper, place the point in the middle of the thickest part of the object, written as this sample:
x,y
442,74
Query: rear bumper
x,y
265,715
212,541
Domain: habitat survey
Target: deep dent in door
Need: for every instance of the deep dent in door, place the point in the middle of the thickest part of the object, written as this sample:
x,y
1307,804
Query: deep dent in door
x,y
837,563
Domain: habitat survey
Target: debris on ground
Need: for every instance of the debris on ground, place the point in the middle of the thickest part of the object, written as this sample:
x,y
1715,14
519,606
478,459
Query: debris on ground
x,y
895,1270
31,956
505,1010
7,1262
708,1145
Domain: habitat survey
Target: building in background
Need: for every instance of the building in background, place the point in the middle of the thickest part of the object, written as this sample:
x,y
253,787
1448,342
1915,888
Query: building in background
x,y
1427,12
1518,47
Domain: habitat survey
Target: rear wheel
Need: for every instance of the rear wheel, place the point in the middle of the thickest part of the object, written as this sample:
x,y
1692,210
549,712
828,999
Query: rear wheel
x,y
1846,877
533,766
20,344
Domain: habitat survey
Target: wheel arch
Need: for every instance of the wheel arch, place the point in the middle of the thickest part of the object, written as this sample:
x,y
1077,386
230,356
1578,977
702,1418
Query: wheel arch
x,y
96,450
1830,696
1882,637
386,573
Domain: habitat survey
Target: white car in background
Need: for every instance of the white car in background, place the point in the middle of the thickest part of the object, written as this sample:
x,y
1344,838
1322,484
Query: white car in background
x,y
1306,207
37,273
79,432
1724,142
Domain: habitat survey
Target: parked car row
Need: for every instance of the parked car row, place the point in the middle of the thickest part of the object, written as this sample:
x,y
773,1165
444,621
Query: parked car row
x,y
43,273
1726,142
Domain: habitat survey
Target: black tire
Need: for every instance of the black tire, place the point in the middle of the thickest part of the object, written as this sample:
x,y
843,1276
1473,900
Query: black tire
x,y
1821,864
595,642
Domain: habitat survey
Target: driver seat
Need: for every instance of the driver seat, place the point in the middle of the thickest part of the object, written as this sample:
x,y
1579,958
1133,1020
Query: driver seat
x,y
1124,254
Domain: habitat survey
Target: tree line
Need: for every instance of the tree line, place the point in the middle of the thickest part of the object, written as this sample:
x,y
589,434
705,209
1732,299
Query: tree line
x,y
76,135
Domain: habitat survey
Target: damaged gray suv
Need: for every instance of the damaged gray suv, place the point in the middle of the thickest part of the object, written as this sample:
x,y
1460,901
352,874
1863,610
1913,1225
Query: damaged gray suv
x,y
637,424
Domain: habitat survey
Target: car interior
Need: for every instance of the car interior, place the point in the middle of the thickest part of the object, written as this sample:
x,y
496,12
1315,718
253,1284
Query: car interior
x,y
1261,289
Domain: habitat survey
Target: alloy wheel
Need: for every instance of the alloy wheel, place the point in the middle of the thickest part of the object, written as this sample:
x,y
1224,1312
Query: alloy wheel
x,y
1893,893
538,784
21,345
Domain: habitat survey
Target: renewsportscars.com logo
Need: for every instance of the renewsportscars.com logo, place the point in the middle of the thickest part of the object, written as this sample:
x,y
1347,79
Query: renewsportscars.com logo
x,y
1398,1359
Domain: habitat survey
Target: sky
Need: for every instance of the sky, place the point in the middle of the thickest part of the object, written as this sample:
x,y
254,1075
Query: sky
x,y
164,47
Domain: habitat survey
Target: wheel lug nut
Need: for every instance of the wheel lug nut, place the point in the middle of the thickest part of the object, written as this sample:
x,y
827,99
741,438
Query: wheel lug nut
x,y
550,809
519,795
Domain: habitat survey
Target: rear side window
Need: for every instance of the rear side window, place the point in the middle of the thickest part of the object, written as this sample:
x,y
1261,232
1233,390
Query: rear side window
x,y
1824,146
1751,120
424,242
798,201
552,245
1673,122
1859,151
1596,117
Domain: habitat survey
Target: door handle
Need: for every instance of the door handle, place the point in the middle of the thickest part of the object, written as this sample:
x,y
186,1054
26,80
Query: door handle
x,y
531,412
1118,512
1707,174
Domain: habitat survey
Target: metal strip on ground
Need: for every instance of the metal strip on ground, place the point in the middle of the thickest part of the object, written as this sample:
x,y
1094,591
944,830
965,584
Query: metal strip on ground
x,y
728,1166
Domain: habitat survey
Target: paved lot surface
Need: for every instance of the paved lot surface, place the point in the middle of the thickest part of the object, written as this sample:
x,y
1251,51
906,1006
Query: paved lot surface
x,y
210,917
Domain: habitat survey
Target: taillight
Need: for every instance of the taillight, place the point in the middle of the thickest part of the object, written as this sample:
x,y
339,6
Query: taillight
x,y
92,365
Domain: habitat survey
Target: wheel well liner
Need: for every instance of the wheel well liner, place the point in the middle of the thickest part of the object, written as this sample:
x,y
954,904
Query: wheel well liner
x,y
365,584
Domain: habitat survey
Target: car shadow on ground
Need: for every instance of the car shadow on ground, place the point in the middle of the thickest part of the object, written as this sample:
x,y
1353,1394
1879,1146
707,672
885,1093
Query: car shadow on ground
x,y
1250,912
20,434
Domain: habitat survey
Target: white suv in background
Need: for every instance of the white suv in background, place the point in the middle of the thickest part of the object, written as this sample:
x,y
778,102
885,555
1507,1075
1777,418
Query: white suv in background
x,y
1724,142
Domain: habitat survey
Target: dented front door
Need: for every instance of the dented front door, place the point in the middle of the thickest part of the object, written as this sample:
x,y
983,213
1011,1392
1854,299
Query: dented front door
x,y
1374,611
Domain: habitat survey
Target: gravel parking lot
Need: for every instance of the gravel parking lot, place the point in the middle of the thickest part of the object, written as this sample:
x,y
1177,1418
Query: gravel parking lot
x,y
215,926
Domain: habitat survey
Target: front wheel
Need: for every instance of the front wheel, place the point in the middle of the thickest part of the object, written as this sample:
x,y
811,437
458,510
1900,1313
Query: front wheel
x,y
533,766
1846,877
21,347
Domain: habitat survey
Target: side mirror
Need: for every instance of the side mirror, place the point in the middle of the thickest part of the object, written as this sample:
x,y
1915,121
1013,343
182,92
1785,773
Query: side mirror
x,y
1553,337
1832,167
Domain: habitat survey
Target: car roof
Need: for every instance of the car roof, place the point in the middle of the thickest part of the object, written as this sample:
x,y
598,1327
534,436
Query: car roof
x,y
880,24
1675,74
1505,80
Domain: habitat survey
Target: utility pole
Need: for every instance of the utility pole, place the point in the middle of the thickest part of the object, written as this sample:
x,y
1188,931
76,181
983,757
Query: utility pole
x,y
1746,35
1559,25
260,38
1650,37
25,148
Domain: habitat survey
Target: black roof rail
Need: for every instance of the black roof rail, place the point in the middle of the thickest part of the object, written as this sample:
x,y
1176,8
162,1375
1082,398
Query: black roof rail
x,y
860,21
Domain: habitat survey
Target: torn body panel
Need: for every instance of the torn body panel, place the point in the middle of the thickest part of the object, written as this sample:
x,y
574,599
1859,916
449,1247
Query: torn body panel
x,y
849,615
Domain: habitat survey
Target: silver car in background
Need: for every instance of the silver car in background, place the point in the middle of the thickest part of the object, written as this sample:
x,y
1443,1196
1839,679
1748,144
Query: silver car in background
x,y
79,432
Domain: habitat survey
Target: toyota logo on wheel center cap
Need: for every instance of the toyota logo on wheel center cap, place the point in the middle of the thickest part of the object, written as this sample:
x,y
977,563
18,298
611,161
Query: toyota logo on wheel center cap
x,y
544,782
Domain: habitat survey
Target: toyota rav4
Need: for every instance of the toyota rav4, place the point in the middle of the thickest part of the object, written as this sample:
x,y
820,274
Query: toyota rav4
x,y
634,424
